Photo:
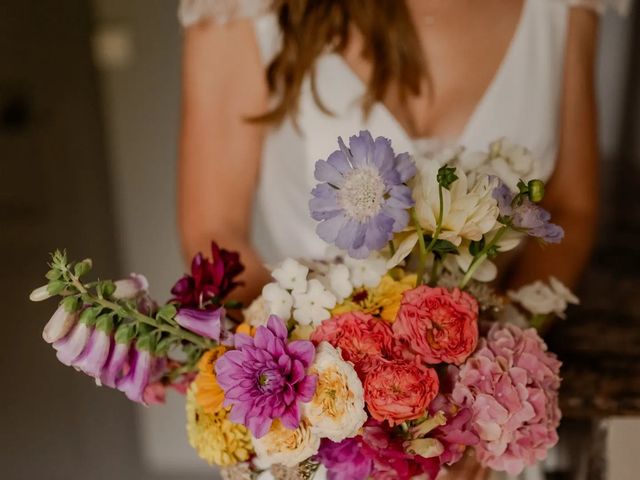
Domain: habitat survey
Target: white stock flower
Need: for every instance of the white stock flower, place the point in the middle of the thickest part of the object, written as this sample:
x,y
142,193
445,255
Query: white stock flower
x,y
540,298
257,313
312,306
336,410
510,162
339,281
367,272
286,447
277,300
469,210
291,275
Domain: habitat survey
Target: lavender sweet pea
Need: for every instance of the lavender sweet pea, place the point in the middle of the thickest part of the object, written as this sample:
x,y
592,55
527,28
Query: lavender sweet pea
x,y
265,378
526,215
206,323
363,198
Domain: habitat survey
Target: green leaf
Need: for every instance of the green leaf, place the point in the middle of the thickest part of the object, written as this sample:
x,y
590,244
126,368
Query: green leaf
x,y
443,247
146,342
233,304
476,246
71,304
167,312
106,288
82,268
89,315
55,287
446,176
53,274
164,345
125,333
105,323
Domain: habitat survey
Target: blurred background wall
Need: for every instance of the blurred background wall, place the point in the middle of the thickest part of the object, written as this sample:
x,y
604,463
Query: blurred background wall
x,y
88,160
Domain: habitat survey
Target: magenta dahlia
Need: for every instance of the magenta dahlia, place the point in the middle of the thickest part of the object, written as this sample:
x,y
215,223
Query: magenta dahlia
x,y
265,378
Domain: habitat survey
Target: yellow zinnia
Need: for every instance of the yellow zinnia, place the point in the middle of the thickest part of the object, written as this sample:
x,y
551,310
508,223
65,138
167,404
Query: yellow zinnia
x,y
210,396
216,438
382,301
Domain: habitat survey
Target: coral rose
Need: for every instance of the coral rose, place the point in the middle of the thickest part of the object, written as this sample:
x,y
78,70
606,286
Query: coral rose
x,y
363,339
399,390
437,324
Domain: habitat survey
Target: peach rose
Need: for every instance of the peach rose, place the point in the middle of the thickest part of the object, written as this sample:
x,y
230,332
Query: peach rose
x,y
399,390
363,339
437,324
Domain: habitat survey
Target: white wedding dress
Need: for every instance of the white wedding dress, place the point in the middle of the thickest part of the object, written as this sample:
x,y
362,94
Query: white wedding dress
x,y
522,103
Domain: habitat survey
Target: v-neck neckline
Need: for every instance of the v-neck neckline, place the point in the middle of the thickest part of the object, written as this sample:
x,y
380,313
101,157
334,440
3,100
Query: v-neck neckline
x,y
477,109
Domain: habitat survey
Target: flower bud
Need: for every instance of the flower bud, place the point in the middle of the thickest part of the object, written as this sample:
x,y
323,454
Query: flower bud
x,y
129,288
425,447
206,323
40,294
83,267
536,190
59,325
433,421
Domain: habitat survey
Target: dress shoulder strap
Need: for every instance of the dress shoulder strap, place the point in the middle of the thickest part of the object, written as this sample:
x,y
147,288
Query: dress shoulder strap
x,y
622,7
193,11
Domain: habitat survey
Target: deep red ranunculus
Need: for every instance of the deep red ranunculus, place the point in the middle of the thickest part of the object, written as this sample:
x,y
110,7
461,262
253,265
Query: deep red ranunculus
x,y
210,280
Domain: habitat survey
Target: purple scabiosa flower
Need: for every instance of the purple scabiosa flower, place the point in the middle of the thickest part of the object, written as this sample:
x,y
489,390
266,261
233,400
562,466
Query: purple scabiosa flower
x,y
363,198
345,460
265,378
72,345
133,383
206,323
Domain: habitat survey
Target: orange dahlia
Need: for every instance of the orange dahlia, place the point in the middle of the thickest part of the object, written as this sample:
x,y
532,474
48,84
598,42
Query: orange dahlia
x,y
209,395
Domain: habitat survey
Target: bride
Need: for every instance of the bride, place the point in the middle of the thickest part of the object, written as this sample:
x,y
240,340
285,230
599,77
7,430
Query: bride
x,y
269,86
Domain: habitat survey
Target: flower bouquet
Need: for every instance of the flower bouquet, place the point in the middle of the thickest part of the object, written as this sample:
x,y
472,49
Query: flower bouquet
x,y
390,358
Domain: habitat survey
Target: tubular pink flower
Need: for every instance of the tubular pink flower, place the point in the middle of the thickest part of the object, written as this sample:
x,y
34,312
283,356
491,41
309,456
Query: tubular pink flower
x,y
94,356
71,346
111,373
128,288
59,325
137,378
203,322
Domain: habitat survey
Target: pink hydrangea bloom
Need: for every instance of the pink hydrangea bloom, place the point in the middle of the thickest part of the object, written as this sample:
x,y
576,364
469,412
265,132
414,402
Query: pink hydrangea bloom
x,y
510,385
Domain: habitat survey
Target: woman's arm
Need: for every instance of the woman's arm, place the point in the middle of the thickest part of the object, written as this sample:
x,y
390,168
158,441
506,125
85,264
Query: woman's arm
x,y
223,83
572,194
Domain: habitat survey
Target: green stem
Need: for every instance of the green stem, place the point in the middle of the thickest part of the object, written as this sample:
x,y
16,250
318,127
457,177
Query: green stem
x,y
176,331
482,256
422,249
425,250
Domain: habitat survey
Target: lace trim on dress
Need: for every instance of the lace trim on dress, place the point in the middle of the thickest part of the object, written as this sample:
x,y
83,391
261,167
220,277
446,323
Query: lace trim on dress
x,y
622,7
221,11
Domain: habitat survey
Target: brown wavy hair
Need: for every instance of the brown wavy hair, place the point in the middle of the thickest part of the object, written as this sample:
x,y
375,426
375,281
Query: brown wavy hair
x,y
310,27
